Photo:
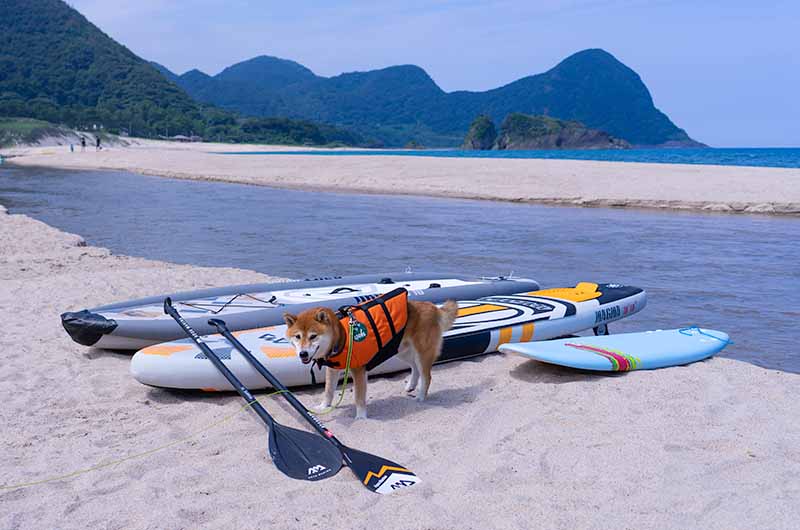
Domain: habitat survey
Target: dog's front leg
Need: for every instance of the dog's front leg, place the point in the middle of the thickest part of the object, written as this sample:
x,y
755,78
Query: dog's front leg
x,y
360,383
331,380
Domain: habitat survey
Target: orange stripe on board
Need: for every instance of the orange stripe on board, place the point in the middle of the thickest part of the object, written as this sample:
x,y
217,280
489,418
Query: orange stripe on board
x,y
527,332
505,336
478,309
238,334
277,353
164,350
209,390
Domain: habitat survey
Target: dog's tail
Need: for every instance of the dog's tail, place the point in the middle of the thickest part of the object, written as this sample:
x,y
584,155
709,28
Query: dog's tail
x,y
447,314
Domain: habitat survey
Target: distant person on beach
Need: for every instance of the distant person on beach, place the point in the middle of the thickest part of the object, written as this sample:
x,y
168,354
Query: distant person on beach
x,y
98,144
83,143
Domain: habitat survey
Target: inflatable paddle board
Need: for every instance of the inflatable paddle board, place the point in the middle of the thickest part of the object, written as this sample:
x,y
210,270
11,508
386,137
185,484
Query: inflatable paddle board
x,y
138,323
627,351
481,327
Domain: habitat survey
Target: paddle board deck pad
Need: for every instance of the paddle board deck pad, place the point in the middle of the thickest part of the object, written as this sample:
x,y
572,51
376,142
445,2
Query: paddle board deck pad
x,y
138,323
627,351
481,327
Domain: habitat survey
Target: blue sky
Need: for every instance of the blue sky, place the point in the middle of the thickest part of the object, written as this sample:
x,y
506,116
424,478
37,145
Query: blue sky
x,y
726,71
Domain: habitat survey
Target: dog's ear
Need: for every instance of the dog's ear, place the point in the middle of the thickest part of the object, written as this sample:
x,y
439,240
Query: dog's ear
x,y
290,319
321,316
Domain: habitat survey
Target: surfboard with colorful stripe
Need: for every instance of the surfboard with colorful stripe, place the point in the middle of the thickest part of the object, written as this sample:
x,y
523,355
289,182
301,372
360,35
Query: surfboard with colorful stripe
x,y
482,326
627,351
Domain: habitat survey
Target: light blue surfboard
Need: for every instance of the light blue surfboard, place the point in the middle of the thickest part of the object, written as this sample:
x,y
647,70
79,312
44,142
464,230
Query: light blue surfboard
x,y
626,351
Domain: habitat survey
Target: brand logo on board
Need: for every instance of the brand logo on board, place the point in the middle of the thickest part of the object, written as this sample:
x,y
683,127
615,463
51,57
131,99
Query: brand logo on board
x,y
608,313
315,470
396,481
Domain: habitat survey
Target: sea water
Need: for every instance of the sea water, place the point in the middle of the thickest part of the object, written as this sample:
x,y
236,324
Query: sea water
x,y
758,157
736,273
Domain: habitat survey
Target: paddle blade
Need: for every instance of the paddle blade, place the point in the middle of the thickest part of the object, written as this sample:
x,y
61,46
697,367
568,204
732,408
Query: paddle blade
x,y
303,455
378,474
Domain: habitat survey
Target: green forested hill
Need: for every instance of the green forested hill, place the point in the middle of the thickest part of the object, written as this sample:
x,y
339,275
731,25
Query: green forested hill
x,y
520,131
402,103
57,66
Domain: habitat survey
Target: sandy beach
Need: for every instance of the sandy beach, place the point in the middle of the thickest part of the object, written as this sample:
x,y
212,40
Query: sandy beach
x,y
568,182
502,442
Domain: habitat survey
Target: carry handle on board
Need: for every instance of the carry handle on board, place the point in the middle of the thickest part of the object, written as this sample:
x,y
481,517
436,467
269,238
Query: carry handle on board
x,y
375,473
298,454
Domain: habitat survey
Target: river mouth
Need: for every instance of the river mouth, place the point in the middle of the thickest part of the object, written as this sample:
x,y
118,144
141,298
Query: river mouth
x,y
738,274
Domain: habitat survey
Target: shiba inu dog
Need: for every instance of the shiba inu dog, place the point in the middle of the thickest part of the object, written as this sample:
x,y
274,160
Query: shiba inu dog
x,y
318,334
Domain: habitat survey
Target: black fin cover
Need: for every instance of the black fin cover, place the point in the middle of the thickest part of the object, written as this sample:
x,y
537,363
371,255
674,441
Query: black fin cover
x,y
86,327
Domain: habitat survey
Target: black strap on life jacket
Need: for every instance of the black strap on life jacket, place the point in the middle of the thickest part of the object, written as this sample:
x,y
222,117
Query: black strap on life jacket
x,y
386,350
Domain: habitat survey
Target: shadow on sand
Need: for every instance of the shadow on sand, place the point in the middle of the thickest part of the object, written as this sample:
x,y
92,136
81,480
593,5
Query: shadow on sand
x,y
537,372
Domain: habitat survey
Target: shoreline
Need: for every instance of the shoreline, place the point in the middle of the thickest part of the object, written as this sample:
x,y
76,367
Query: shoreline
x,y
563,448
579,183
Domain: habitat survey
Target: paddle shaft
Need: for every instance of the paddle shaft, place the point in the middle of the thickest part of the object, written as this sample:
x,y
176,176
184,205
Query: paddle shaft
x,y
377,474
275,382
232,379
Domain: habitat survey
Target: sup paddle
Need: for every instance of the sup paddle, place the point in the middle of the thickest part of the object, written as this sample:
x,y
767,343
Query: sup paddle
x,y
298,454
375,473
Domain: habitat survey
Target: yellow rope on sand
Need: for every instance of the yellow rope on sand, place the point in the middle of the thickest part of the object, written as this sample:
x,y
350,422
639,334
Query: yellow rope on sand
x,y
137,455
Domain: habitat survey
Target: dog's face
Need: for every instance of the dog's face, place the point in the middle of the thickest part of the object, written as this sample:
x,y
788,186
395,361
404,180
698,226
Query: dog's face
x,y
311,333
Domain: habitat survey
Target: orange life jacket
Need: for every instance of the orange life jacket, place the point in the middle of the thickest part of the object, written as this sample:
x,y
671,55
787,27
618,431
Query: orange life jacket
x,y
377,330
